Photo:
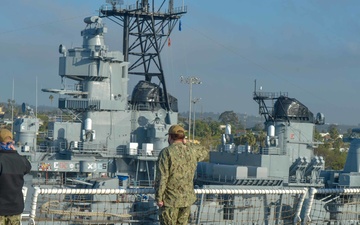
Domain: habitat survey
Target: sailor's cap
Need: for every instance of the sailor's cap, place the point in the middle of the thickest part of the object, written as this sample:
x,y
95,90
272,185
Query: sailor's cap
x,y
176,129
5,135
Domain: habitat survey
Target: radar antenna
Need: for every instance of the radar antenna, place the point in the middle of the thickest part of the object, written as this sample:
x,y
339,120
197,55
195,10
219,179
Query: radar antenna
x,y
114,3
27,110
261,97
146,30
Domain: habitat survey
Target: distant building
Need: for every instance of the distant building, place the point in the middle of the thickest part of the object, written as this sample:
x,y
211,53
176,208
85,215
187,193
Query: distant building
x,y
326,136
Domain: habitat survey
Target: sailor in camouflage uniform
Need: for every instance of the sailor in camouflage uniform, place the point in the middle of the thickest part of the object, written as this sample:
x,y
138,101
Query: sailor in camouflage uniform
x,y
174,186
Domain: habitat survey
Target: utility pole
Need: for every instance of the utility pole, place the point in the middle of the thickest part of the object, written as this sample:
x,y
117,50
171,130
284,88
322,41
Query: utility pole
x,y
12,107
190,81
194,101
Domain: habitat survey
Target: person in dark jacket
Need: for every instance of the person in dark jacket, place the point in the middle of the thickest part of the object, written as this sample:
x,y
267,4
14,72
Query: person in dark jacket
x,y
174,186
13,167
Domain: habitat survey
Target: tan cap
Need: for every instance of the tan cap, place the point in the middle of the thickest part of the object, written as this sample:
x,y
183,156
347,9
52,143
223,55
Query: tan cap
x,y
176,129
5,135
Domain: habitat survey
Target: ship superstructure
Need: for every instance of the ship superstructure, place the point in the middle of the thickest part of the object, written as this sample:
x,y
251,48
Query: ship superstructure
x,y
104,132
287,159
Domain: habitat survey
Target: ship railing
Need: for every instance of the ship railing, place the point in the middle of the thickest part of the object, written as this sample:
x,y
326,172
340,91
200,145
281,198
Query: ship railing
x,y
62,118
179,10
332,206
137,206
223,205
48,149
42,148
141,152
85,147
38,181
142,183
270,95
272,151
131,7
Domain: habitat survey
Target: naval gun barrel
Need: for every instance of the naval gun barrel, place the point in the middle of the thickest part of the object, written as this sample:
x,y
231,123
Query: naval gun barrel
x,y
79,181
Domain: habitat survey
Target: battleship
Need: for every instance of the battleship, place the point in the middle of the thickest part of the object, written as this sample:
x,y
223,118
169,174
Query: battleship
x,y
97,163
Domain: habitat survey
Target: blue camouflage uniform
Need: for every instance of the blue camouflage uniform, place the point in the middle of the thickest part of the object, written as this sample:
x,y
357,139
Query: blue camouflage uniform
x,y
174,184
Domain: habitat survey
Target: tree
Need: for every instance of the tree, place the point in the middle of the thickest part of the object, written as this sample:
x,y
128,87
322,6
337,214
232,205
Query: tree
x,y
337,144
330,150
260,138
214,128
317,136
248,138
45,119
229,117
202,129
258,127
11,104
333,131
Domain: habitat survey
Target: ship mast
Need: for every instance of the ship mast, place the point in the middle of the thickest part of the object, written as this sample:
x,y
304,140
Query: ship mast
x,y
146,30
261,97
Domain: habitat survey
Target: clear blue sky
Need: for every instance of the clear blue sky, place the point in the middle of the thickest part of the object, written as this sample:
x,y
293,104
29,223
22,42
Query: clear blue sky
x,y
310,49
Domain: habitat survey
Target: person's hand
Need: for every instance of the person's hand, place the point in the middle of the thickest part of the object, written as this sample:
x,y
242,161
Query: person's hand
x,y
11,146
160,204
184,141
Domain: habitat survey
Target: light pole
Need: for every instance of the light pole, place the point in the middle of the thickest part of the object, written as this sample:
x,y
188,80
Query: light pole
x,y
194,101
11,103
12,107
190,81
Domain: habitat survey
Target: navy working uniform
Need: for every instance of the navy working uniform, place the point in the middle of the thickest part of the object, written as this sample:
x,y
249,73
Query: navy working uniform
x,y
13,167
174,184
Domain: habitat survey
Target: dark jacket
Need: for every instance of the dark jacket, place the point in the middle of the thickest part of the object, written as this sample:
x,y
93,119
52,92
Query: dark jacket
x,y
13,167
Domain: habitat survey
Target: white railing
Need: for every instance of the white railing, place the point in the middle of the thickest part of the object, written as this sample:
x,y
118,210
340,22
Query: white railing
x,y
137,206
213,206
334,206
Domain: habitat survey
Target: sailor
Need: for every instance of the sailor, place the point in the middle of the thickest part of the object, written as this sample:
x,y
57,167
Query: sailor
x,y
13,167
174,187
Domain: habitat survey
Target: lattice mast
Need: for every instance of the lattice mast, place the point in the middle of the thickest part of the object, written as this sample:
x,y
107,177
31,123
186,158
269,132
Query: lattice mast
x,y
146,30
261,97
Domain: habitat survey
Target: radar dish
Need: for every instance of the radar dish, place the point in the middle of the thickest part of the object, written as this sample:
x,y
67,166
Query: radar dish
x,y
161,114
320,119
62,49
142,121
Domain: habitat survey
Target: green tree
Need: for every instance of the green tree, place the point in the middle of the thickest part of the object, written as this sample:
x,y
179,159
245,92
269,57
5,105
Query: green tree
x,y
348,133
214,128
333,131
229,117
45,120
202,129
260,138
317,136
258,127
337,144
248,138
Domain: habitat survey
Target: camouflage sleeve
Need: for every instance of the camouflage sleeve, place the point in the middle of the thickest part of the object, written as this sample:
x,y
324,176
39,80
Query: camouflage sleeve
x,y
162,175
201,152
